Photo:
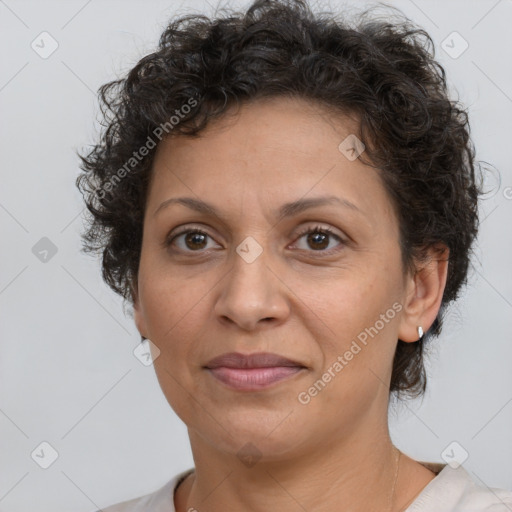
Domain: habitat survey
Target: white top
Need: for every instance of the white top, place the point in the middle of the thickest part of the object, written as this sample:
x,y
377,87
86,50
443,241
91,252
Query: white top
x,y
452,490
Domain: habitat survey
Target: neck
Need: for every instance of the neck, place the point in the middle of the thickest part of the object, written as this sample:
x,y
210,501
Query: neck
x,y
358,472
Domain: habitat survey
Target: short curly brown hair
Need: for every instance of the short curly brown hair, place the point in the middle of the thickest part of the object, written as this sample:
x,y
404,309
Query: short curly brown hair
x,y
382,71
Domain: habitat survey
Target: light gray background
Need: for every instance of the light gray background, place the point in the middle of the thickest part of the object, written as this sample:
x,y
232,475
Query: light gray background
x,y
68,375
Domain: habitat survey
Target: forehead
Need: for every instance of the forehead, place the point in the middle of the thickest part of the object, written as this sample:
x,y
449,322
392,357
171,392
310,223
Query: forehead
x,y
304,127
268,152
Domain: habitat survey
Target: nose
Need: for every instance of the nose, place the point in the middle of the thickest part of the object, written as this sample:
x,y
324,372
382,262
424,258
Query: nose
x,y
252,295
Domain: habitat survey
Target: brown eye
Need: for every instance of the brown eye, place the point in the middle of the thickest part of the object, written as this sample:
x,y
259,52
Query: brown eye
x,y
193,240
318,238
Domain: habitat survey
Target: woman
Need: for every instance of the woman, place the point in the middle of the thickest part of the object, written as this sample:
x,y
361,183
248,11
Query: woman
x,y
289,204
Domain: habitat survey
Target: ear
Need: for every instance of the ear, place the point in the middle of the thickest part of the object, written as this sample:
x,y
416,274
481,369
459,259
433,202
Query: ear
x,y
424,292
138,313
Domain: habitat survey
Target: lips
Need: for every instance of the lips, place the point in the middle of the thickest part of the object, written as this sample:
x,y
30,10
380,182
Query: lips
x,y
253,372
259,360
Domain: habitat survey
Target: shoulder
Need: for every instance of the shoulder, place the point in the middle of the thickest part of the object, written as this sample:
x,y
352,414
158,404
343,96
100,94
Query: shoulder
x,y
456,490
161,500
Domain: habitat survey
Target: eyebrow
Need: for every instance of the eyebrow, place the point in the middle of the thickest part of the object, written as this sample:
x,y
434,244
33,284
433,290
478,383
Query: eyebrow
x,y
286,210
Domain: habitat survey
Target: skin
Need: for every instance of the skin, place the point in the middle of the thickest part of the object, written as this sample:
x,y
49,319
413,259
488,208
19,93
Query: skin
x,y
200,299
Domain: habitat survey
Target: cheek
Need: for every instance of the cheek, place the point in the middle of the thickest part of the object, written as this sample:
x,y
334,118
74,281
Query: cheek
x,y
169,297
177,314
173,313
361,331
345,306
357,354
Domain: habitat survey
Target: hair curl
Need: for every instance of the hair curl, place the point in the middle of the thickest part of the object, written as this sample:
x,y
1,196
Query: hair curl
x,y
381,70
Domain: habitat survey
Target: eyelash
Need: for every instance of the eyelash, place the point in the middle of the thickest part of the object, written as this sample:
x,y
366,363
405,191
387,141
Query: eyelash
x,y
307,231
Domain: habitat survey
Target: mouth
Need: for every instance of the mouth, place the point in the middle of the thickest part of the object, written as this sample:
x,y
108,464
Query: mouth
x,y
253,372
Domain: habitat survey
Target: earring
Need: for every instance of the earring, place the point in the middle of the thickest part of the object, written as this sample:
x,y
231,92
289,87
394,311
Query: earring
x,y
420,332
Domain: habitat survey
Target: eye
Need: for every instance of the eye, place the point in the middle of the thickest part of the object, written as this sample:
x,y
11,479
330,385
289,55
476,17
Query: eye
x,y
194,241
318,238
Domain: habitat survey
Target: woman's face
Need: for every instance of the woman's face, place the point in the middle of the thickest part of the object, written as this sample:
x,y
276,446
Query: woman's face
x,y
254,283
